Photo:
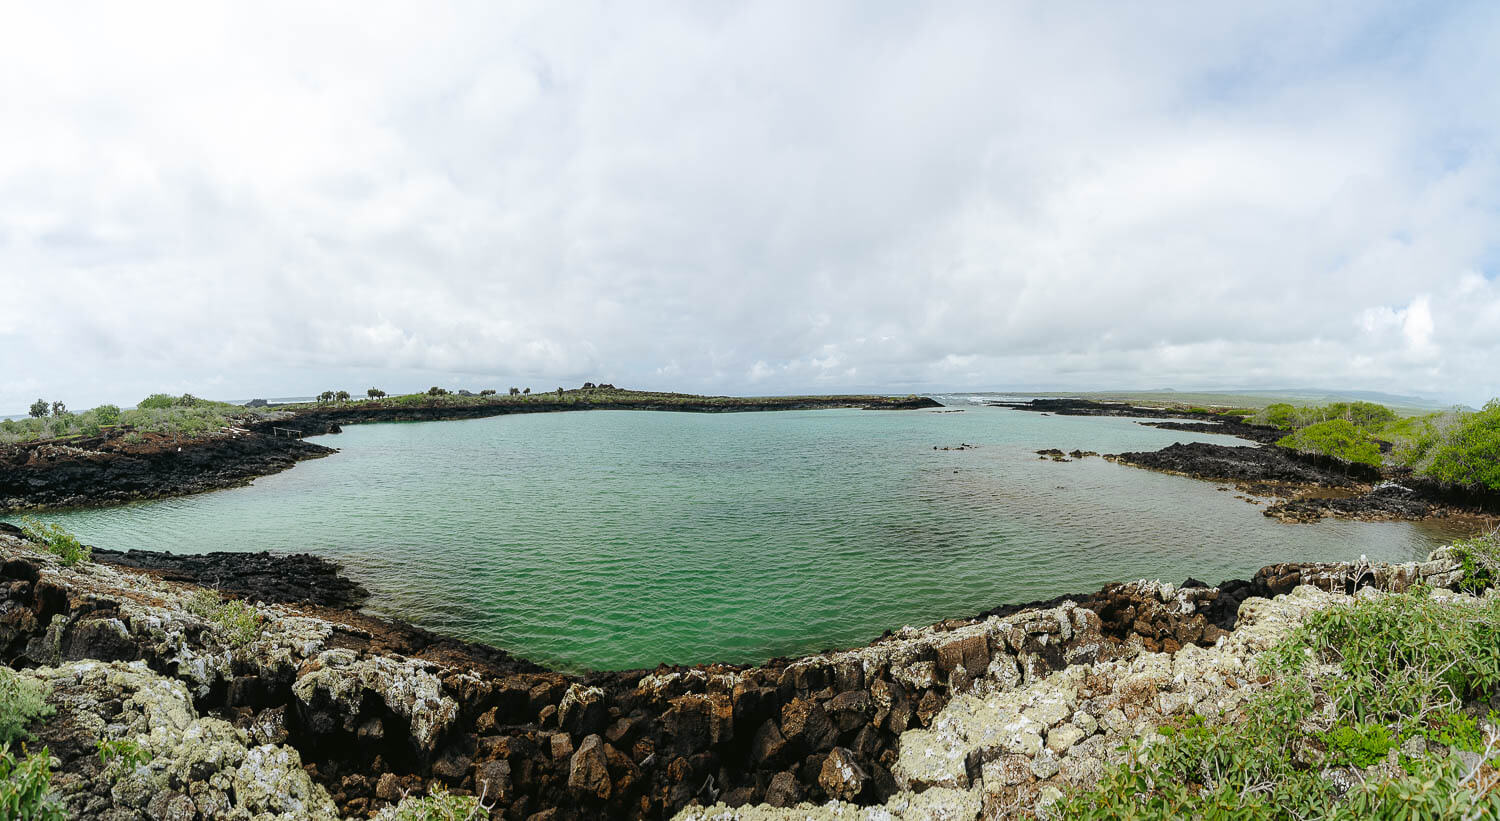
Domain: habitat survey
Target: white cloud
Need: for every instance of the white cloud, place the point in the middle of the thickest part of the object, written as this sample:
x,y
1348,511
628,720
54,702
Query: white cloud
x,y
274,199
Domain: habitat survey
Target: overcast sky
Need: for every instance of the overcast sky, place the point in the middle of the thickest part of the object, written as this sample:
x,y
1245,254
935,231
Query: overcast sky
x,y
271,200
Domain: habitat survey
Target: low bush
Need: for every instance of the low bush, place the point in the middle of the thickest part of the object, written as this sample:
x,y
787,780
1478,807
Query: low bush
x,y
1467,453
157,401
22,701
24,783
236,621
56,539
1338,438
1405,666
1480,558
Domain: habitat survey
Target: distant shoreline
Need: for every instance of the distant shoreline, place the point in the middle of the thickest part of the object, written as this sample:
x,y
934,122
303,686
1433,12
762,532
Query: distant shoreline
x,y
123,465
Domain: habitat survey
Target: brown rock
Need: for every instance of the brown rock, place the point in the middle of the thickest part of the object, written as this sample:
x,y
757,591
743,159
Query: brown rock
x,y
561,745
768,743
784,791
972,652
739,797
620,730
928,707
842,777
806,723
850,710
582,710
452,767
588,773
486,722
388,788
492,780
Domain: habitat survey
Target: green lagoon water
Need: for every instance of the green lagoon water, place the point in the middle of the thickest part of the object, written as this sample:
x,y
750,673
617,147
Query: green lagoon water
x,y
620,539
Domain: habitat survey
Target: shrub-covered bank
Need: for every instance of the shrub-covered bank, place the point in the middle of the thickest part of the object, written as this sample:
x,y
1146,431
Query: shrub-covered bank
x,y
169,700
1381,466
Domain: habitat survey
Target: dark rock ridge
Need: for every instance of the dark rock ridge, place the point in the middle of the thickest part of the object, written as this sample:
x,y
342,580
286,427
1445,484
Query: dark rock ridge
x,y
1360,492
320,420
300,578
1385,502
1225,423
1238,463
338,686
114,470
1229,427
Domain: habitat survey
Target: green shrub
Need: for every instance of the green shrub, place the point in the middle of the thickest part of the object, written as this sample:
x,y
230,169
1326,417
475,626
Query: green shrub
x,y
107,414
1405,664
23,787
236,621
439,805
56,539
22,701
157,401
1468,453
1338,438
1480,559
1358,745
126,751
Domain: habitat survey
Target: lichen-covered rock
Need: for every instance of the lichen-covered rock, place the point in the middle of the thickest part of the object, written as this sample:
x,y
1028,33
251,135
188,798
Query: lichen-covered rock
x,y
841,776
340,679
173,762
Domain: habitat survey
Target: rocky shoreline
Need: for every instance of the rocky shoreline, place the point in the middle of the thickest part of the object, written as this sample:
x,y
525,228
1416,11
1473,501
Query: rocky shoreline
x,y
124,466
120,468
346,713
1297,487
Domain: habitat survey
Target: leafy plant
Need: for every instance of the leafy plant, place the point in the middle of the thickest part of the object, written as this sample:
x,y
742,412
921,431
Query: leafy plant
x,y
237,622
38,409
24,784
1358,745
157,401
22,701
56,539
1480,559
126,751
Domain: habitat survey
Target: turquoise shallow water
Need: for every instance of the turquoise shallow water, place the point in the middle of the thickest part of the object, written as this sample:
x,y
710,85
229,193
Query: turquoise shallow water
x,y
618,539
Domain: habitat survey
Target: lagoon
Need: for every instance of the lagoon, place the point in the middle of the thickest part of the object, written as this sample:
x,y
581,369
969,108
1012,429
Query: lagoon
x,y
624,539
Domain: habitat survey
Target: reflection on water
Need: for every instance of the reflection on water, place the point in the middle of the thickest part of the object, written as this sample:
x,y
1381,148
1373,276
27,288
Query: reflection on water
x,y
614,539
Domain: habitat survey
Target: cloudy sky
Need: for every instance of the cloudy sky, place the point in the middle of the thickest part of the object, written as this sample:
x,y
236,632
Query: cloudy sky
x,y
270,200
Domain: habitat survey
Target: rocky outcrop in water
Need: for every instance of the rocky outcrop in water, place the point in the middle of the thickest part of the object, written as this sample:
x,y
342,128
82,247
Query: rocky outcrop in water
x,y
1229,463
128,467
299,578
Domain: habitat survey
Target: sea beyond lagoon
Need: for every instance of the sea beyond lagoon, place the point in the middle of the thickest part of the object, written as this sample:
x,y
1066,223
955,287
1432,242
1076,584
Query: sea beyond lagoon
x,y
625,539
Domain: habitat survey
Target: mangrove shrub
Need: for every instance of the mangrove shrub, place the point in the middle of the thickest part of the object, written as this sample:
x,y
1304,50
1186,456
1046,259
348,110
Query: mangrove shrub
x,y
1338,438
